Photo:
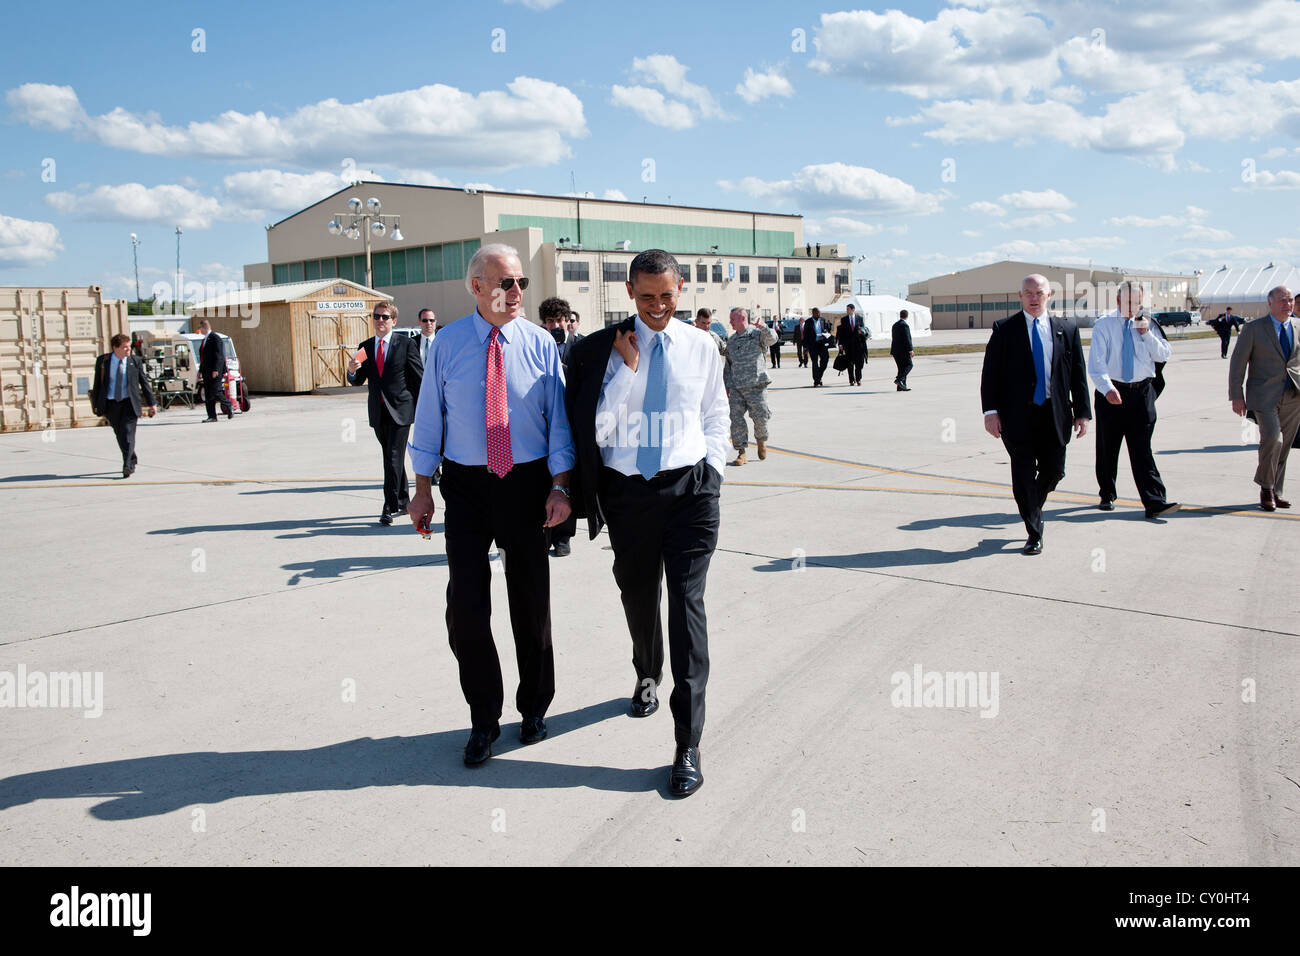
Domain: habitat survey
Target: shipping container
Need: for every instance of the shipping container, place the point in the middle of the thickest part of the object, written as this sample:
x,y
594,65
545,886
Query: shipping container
x,y
49,340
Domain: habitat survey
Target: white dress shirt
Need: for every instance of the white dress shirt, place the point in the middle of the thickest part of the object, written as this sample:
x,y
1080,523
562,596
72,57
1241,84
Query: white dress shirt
x,y
426,345
1106,353
697,418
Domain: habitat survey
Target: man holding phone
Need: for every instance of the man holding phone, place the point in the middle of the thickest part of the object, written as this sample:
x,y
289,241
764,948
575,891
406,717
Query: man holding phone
x,y
1122,365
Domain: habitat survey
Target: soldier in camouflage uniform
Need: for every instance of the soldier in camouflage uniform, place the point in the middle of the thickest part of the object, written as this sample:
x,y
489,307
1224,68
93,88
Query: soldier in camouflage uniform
x,y
745,374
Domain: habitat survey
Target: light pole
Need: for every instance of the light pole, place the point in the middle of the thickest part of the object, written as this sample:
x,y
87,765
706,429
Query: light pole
x,y
362,224
176,300
135,257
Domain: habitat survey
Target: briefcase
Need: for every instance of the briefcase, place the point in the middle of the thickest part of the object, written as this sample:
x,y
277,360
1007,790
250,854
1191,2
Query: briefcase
x,y
841,362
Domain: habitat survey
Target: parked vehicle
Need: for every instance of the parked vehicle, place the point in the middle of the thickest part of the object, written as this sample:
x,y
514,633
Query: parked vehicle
x,y
787,329
1173,319
235,385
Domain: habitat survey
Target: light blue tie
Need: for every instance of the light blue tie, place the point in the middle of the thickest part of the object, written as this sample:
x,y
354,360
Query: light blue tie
x,y
1129,356
1040,363
650,454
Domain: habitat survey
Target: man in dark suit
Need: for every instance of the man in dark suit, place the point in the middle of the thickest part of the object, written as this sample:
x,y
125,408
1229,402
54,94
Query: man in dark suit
x,y
119,386
393,369
816,344
1223,323
852,338
651,427
1034,385
900,347
556,317
212,369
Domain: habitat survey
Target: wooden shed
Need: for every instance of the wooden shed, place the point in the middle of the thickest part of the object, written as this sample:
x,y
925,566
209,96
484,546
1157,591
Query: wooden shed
x,y
294,337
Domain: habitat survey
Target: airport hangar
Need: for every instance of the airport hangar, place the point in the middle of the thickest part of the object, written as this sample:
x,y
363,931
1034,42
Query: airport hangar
x,y
573,247
976,298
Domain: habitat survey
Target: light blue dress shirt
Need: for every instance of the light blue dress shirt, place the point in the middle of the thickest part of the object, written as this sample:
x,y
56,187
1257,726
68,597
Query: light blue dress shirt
x,y
451,415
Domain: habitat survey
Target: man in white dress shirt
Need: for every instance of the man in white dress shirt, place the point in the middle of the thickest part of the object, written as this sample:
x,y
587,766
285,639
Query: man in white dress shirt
x,y
651,426
428,328
1122,366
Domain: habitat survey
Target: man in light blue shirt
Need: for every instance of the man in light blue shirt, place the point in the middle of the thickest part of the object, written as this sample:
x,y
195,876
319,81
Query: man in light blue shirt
x,y
491,412
1122,366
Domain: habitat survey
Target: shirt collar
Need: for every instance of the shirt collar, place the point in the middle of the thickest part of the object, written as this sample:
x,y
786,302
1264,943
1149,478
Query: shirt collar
x,y
646,334
483,328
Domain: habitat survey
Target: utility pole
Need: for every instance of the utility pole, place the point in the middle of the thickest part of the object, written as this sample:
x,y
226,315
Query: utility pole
x,y
135,257
177,298
867,283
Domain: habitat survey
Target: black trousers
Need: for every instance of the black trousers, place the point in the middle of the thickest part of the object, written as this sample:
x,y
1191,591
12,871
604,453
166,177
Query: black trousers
x,y
392,439
857,359
819,356
563,532
1225,337
482,508
121,415
1132,422
904,363
800,353
775,352
665,530
214,390
1037,466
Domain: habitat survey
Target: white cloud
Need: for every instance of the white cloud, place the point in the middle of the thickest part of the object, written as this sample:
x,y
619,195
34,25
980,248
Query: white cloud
x,y
167,205
653,107
984,208
1208,233
960,52
1282,179
25,242
1048,200
836,226
418,177
1279,151
616,194
757,86
527,124
841,187
274,189
972,233
664,70
1037,221
537,4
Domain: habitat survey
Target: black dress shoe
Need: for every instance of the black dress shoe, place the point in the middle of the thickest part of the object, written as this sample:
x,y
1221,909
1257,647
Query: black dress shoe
x,y
212,418
1105,505
1033,546
385,518
561,548
641,706
1168,508
532,730
479,747
685,777
230,413
126,472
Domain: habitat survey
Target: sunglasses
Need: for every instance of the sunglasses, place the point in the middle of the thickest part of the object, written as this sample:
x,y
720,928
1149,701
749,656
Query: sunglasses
x,y
508,281
382,315
427,321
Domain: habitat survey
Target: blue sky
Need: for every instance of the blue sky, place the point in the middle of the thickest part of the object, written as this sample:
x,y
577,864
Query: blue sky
x,y
925,137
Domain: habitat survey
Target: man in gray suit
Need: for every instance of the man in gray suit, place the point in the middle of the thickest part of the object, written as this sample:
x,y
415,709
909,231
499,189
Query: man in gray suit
x,y
1267,360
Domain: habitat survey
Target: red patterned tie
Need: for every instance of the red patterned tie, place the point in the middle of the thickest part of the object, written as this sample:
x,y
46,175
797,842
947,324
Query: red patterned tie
x,y
499,458
379,359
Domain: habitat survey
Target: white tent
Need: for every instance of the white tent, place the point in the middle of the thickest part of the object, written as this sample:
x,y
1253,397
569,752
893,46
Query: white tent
x,y
880,313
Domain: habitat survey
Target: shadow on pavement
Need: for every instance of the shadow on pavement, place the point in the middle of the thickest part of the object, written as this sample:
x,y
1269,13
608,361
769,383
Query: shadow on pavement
x,y
149,786
908,557
1208,449
350,526
308,489
112,473
338,567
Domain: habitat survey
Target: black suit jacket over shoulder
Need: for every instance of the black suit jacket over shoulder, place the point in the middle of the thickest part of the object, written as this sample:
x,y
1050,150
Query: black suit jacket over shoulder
x,y
400,384
1009,378
585,378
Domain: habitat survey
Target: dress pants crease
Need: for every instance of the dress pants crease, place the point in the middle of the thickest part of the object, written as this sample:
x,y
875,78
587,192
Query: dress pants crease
x,y
480,509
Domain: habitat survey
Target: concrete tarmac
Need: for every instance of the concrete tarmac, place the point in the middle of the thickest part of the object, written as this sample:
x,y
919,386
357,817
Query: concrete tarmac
x,y
277,686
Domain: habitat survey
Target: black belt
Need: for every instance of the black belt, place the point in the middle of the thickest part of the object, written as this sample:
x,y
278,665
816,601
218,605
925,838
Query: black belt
x,y
518,464
1130,385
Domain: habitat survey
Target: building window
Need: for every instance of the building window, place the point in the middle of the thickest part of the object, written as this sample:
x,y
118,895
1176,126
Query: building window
x,y
382,269
744,273
683,314
766,274
397,262
296,272
793,275
279,274
717,274
615,271
453,266
576,271
821,276
614,318
414,265
701,273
